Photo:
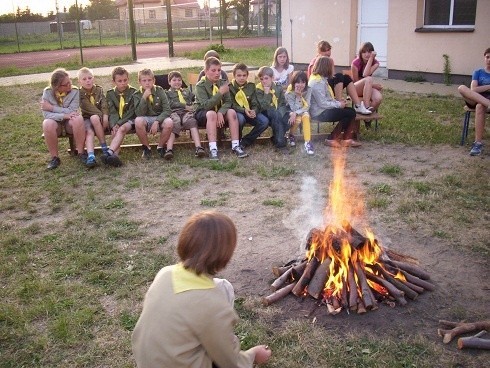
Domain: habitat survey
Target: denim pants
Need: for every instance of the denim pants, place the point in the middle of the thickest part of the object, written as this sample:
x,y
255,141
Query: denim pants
x,y
278,120
260,124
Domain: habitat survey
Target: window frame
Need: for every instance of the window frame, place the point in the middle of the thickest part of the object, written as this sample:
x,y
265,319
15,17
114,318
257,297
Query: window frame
x,y
450,26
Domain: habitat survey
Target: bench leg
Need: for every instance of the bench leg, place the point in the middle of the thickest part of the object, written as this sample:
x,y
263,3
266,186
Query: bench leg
x,y
466,123
71,142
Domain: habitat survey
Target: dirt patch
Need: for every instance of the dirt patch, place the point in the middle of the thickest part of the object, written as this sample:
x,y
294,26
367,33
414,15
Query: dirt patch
x,y
275,234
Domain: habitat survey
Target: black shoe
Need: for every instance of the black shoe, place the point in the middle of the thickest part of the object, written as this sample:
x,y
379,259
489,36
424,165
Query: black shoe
x,y
112,160
200,152
83,158
161,151
146,153
91,162
54,163
169,154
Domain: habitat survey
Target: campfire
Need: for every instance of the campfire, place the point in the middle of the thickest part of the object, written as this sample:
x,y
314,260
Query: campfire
x,y
344,269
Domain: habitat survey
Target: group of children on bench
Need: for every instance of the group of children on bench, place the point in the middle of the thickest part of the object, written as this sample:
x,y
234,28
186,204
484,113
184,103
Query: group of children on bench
x,y
282,100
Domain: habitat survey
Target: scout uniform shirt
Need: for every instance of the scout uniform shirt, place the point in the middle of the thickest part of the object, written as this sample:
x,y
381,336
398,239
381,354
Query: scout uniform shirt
x,y
93,102
249,93
155,105
207,99
175,102
121,106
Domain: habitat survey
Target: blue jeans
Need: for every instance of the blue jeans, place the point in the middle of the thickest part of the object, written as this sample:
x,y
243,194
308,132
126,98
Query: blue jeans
x,y
278,120
345,117
260,124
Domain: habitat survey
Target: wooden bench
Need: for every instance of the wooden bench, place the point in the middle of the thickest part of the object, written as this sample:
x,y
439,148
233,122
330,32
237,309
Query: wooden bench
x,y
359,117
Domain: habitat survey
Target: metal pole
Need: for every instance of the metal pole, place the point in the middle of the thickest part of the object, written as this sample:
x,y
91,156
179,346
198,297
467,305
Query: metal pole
x,y
58,24
220,22
79,32
132,29
169,29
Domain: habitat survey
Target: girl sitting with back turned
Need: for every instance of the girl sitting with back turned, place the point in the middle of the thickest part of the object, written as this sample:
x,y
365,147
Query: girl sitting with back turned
x,y
174,331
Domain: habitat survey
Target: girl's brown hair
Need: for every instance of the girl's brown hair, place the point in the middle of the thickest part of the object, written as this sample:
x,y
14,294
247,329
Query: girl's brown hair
x,y
281,50
57,78
299,76
323,67
207,242
366,46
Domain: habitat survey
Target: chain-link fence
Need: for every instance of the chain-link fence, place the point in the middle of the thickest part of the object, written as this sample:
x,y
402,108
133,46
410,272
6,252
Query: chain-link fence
x,y
19,37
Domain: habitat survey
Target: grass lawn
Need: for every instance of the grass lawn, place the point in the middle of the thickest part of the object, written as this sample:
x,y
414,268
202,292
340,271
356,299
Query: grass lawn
x,y
76,259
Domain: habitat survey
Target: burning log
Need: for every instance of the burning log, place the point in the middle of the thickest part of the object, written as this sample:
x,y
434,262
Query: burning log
x,y
415,280
317,282
474,342
353,294
398,284
414,287
281,280
355,238
366,293
460,328
297,271
278,295
278,271
410,268
305,278
397,294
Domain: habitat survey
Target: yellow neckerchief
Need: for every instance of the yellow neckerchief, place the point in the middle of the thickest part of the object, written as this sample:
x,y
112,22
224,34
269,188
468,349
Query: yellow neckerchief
x,y
241,97
181,96
303,101
150,97
121,103
273,92
90,94
318,77
59,97
185,280
215,91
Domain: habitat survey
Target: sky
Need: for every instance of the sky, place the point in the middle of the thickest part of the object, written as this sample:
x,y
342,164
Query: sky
x,y
38,6
45,6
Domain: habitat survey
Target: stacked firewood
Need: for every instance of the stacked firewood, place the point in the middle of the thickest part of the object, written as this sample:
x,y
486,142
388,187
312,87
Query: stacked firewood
x,y
390,277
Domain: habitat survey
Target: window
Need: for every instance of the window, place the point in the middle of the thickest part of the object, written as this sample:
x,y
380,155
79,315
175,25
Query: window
x,y
188,13
152,14
449,13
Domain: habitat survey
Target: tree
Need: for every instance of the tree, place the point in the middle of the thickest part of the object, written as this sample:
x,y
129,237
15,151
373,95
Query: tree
x,y
225,13
72,12
99,9
243,11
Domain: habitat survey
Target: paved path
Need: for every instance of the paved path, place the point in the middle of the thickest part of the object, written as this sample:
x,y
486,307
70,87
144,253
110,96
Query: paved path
x,y
143,51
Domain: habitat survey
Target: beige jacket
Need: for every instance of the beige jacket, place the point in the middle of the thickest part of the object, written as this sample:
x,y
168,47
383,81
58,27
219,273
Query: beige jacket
x,y
191,329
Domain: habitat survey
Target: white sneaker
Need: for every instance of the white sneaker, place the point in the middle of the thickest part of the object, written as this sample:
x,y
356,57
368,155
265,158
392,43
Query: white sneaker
x,y
361,109
309,148
213,154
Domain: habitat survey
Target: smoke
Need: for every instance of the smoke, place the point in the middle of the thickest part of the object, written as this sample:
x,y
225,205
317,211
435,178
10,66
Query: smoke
x,y
309,214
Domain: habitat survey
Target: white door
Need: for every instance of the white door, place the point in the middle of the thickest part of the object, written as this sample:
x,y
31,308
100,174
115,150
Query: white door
x,y
373,27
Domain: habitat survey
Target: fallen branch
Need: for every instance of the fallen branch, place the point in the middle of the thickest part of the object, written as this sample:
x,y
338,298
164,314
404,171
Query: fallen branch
x,y
460,328
474,342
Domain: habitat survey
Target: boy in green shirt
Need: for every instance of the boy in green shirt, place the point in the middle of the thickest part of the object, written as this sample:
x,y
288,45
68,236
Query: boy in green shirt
x,y
152,113
95,112
213,108
272,104
244,102
181,100
121,114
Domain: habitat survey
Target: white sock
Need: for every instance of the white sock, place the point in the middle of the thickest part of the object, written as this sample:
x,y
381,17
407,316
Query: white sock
x,y
234,143
213,145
